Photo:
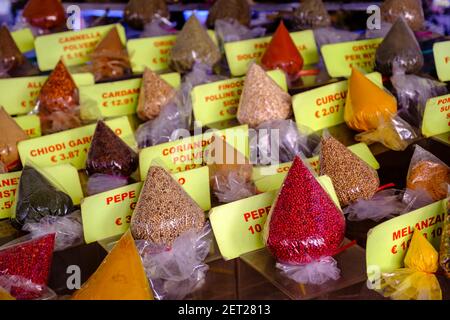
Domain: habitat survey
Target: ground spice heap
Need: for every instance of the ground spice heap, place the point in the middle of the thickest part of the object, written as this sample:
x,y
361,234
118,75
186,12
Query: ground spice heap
x,y
352,178
238,10
400,46
304,223
10,135
444,253
262,99
45,14
38,198
430,177
311,14
110,58
282,53
11,59
410,10
108,154
164,210
140,12
58,101
121,276
155,93
367,104
30,260
193,44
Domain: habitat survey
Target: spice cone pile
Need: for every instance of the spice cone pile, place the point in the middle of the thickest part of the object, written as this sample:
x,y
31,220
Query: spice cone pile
x,y
410,10
109,154
238,10
10,135
282,53
155,93
140,12
193,44
352,178
30,260
312,14
121,276
110,58
164,210
400,46
304,223
262,99
430,177
45,14
367,104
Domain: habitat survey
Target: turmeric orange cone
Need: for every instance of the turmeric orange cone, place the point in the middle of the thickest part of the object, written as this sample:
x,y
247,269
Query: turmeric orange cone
x,y
121,276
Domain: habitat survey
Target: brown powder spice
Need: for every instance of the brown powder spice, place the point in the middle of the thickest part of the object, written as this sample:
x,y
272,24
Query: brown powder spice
x,y
431,177
164,210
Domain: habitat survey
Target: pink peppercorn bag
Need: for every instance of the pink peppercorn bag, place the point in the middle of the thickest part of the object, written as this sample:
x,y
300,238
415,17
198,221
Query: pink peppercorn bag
x,y
304,228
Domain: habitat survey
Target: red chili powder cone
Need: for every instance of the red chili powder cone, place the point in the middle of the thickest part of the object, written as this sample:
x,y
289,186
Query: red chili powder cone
x,y
282,53
30,260
45,14
304,224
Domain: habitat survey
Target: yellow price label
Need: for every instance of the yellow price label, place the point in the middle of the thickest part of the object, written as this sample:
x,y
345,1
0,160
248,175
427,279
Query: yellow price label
x,y
24,39
441,52
436,118
30,124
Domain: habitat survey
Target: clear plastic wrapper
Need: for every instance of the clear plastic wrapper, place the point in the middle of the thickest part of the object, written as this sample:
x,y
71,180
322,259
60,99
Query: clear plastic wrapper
x,y
158,27
13,284
45,14
25,265
325,36
110,58
304,225
230,31
427,174
164,210
399,48
120,276
68,229
311,14
58,102
98,183
177,272
138,13
10,135
38,197
285,138
379,32
444,252
230,10
352,178
317,272
416,281
193,45
2,168
262,99
410,10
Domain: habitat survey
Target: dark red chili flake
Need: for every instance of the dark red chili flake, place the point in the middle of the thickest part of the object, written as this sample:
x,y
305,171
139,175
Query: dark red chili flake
x,y
30,260
304,224
109,154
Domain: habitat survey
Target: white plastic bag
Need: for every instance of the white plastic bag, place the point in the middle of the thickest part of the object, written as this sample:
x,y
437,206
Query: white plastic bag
x,y
177,272
317,272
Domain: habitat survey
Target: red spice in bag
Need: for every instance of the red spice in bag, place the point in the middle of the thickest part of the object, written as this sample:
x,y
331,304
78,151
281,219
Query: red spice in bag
x,y
282,53
45,14
304,224
31,260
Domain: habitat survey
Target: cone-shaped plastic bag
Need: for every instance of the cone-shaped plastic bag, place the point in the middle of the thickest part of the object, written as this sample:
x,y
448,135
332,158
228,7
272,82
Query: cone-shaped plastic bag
x,y
416,281
311,14
282,53
352,178
110,58
38,197
230,172
120,276
45,14
410,10
400,46
193,44
30,259
367,104
58,101
262,99
10,135
444,252
140,12
155,93
109,154
304,224
427,174
12,59
238,10
164,210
